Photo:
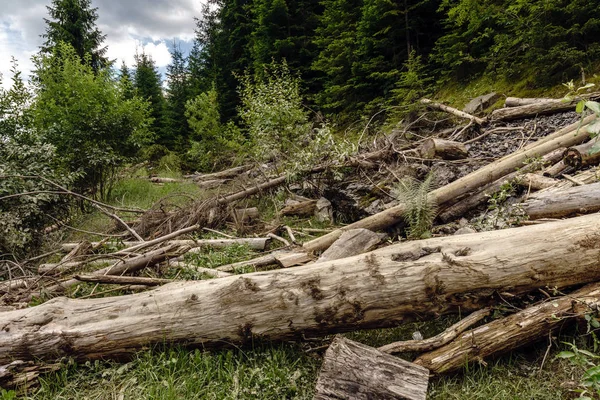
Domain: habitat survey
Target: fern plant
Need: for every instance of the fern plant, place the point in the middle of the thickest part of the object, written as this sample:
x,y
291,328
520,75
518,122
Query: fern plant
x,y
420,209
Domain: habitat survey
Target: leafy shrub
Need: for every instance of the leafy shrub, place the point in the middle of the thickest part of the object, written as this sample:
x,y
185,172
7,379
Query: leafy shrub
x,y
84,114
154,153
212,143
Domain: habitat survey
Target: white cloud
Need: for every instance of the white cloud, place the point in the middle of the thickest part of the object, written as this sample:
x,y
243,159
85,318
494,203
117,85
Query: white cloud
x,y
150,25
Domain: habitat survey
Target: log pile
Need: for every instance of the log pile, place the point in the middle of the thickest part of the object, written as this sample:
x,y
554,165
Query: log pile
x,y
354,276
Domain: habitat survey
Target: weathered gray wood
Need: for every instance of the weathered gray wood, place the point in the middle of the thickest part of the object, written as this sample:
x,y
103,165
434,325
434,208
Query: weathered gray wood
x,y
287,260
512,332
253,243
382,288
353,370
453,111
300,208
245,214
536,181
444,149
530,110
123,280
351,243
555,204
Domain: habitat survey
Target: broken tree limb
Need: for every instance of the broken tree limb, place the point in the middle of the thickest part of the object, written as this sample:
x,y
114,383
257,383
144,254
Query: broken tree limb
x,y
245,214
208,271
565,137
301,208
438,340
453,111
444,149
120,222
123,280
555,204
382,288
509,333
517,101
356,371
536,181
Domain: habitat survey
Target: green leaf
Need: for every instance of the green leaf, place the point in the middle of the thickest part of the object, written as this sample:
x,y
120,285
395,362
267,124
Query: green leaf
x,y
595,323
580,107
595,148
594,106
565,354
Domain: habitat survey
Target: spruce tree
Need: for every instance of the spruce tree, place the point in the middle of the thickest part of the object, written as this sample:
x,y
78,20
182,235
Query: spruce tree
x,y
126,82
147,83
178,92
74,22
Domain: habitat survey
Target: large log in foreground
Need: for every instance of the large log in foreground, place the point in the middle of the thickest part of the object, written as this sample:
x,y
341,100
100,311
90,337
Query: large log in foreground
x,y
378,289
560,203
509,333
566,137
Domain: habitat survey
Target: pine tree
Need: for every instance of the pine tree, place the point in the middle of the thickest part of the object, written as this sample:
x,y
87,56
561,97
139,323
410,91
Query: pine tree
x,y
74,22
178,92
147,83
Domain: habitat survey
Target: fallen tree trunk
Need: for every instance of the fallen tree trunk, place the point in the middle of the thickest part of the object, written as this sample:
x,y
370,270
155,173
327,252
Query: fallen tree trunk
x,y
356,371
583,155
122,280
444,149
225,174
378,289
565,137
536,182
555,204
253,243
517,101
531,110
461,207
509,333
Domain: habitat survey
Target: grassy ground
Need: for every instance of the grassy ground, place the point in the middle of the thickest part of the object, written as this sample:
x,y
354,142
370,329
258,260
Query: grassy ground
x,y
279,371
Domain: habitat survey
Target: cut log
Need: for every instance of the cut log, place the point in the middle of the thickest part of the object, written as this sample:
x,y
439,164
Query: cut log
x,y
123,280
351,243
382,288
245,214
509,333
517,101
211,184
583,155
353,370
453,111
565,137
157,179
557,169
301,208
555,204
531,110
444,149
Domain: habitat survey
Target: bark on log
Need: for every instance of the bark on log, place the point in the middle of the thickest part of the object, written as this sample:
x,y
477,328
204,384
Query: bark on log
x,y
444,149
208,271
302,209
453,111
353,370
225,174
531,110
351,243
517,101
555,204
245,214
378,289
536,182
556,169
123,280
509,333
565,137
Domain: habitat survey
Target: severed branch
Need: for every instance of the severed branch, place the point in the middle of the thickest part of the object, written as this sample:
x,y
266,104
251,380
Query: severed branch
x,y
120,221
438,340
453,111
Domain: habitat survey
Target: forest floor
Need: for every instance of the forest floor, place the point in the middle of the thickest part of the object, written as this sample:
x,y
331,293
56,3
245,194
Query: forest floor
x,y
277,371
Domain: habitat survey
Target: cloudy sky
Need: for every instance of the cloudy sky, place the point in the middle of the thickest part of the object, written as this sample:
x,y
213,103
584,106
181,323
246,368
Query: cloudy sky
x,y
128,24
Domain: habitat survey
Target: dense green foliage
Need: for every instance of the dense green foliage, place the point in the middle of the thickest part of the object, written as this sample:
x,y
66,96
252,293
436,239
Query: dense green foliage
x,y
86,117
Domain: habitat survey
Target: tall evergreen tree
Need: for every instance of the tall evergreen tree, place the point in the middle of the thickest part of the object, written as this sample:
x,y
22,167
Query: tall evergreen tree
x,y
126,82
147,83
74,22
178,92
